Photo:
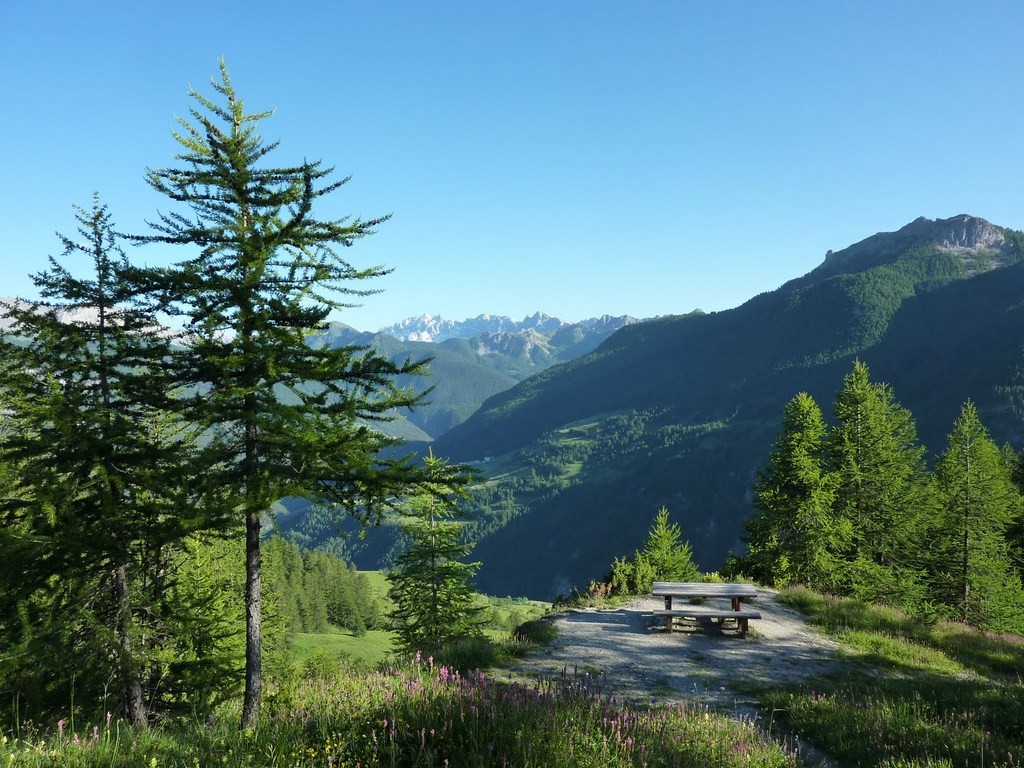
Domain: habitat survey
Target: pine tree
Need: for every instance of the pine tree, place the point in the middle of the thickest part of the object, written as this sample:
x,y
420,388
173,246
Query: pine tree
x,y
201,659
664,556
431,584
670,557
285,417
797,536
973,570
84,395
883,488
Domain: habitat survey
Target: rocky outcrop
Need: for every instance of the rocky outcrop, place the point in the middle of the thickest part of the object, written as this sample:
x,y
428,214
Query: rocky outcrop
x,y
968,236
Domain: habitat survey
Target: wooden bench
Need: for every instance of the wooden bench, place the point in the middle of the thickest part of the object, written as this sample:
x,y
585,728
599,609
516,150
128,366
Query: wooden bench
x,y
699,590
698,612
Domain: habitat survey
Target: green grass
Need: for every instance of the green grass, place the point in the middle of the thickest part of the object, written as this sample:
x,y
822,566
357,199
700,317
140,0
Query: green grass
x,y
420,714
378,583
911,695
915,694
503,615
370,649
537,631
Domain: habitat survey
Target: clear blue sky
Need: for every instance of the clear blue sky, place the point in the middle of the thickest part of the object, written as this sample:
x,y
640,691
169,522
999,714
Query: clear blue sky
x,y
579,157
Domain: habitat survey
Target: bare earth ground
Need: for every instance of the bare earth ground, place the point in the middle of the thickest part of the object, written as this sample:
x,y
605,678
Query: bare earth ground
x,y
645,665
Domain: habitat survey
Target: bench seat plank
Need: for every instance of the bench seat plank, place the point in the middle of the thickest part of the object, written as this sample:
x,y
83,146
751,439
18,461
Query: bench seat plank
x,y
702,612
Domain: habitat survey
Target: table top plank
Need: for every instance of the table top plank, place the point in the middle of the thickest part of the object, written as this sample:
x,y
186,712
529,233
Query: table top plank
x,y
696,589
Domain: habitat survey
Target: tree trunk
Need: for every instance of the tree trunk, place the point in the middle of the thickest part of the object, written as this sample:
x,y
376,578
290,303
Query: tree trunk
x,y
134,701
966,564
253,622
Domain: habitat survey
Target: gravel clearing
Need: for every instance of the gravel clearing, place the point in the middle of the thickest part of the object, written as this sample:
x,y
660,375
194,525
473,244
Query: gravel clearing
x,y
628,650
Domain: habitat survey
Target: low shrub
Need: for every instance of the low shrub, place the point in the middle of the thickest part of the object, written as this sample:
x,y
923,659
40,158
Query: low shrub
x,y
538,631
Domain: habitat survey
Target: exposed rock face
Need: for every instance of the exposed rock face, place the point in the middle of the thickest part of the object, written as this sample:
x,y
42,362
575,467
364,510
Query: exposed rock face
x,y
968,236
958,232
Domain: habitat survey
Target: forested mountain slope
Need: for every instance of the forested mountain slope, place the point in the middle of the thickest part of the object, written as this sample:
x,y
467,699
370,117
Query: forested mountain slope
x,y
682,411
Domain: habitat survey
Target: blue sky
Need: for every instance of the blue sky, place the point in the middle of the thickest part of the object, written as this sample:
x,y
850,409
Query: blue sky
x,y
578,158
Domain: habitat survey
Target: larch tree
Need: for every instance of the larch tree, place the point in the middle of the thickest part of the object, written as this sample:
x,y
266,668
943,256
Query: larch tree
x,y
883,488
431,582
974,572
669,554
283,416
797,537
84,397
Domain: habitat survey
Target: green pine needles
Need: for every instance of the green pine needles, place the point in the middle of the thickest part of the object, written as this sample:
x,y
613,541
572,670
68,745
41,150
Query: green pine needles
x,y
851,510
663,557
431,582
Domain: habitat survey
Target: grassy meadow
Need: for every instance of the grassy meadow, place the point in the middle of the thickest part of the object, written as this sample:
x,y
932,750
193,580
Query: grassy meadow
x,y
911,694
914,692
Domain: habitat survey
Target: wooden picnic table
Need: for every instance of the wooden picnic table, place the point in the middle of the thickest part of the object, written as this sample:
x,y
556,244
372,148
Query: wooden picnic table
x,y
690,590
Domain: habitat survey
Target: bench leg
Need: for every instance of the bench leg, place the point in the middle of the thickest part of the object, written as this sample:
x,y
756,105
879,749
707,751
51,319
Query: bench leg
x,y
743,627
668,623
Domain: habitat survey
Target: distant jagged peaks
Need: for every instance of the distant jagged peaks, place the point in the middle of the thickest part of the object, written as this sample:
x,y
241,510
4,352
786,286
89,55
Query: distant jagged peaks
x,y
434,328
964,234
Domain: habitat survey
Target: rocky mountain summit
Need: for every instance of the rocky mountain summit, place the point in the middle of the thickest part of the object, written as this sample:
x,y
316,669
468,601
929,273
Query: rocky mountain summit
x,y
979,244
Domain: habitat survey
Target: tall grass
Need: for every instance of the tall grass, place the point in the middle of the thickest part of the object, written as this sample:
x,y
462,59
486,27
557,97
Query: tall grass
x,y
422,714
917,693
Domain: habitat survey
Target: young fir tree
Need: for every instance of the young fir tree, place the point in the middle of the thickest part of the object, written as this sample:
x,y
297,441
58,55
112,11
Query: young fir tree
x,y
973,571
883,489
796,536
670,557
84,395
284,417
665,556
431,584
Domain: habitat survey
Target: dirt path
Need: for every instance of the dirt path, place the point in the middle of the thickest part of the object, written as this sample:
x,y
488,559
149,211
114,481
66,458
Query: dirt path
x,y
645,665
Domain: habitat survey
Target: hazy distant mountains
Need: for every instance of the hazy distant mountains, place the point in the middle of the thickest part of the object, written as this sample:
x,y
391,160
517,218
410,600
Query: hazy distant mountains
x,y
436,329
472,360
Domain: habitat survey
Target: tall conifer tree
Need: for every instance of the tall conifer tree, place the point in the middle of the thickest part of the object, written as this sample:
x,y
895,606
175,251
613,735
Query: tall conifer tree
x,y
974,573
285,417
883,489
84,396
431,583
797,536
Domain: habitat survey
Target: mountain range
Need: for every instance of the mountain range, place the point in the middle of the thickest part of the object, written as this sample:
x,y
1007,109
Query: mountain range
x,y
682,411
472,360
437,329
582,431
